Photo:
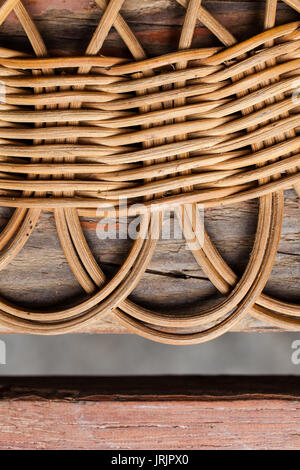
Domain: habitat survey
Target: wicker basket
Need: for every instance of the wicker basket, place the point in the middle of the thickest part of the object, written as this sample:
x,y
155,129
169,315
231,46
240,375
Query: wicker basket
x,y
213,126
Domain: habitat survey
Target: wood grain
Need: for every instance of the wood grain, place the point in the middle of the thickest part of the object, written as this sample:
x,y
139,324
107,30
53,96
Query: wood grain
x,y
66,26
233,413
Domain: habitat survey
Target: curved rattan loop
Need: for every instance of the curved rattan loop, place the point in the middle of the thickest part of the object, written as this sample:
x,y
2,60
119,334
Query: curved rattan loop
x,y
189,140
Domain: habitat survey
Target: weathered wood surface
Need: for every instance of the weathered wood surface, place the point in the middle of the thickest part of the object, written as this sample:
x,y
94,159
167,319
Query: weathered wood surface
x,y
40,275
67,25
229,413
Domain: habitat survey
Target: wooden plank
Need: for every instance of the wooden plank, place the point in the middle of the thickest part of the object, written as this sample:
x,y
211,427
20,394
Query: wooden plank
x,y
67,25
173,280
130,413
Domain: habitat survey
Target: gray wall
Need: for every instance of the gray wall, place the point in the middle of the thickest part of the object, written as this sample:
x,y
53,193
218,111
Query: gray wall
x,y
234,353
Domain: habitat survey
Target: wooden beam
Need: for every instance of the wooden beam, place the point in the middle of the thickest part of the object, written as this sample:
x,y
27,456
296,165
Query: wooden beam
x,y
67,26
131,413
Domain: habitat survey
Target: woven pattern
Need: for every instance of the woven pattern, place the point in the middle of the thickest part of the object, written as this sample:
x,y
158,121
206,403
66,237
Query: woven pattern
x,y
102,136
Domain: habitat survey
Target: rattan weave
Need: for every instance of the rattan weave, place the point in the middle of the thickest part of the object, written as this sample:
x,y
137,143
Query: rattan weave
x,y
102,136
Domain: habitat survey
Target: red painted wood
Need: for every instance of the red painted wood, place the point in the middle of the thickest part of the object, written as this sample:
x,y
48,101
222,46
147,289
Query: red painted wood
x,y
150,413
